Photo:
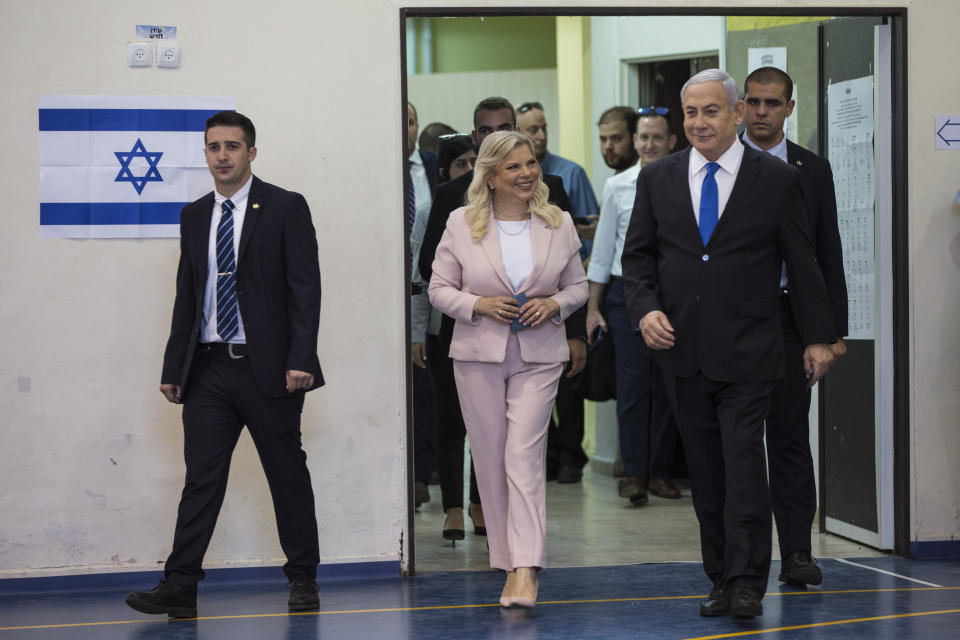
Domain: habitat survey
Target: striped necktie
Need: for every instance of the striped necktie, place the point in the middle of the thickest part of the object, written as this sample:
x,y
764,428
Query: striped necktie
x,y
709,203
228,313
411,200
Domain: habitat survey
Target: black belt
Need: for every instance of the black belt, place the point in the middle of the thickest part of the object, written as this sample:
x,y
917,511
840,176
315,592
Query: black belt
x,y
234,351
416,289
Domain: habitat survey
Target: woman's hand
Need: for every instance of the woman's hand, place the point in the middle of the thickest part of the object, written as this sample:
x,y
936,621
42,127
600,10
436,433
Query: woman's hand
x,y
503,309
536,311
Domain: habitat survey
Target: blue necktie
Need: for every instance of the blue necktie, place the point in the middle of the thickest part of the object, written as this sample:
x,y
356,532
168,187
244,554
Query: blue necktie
x,y
709,203
228,313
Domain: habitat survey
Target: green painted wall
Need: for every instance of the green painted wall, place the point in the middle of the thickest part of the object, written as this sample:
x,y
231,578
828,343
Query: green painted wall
x,y
492,44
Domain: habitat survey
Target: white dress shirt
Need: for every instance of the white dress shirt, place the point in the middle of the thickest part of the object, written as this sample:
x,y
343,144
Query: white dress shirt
x,y
423,318
726,175
616,207
208,332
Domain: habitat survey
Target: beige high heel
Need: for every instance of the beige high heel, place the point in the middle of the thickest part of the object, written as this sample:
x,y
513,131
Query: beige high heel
x,y
506,597
526,575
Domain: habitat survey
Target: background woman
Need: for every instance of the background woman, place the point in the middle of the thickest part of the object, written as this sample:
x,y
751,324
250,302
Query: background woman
x,y
457,155
508,270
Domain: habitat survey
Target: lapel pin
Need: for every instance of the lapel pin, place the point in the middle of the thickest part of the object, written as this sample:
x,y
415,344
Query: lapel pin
x,y
799,164
256,205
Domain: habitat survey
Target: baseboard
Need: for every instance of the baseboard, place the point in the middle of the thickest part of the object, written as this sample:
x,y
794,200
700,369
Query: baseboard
x,y
935,549
148,579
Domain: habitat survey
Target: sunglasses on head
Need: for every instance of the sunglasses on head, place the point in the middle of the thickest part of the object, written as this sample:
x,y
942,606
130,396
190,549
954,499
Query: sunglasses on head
x,y
660,111
526,106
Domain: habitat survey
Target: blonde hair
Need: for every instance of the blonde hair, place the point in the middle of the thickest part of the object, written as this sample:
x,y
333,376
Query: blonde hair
x,y
493,152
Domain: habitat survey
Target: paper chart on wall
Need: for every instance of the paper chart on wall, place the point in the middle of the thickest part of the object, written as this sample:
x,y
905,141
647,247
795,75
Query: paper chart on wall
x,y
851,125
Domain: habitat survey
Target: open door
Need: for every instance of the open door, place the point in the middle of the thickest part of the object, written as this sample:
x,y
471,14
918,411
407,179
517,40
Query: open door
x,y
856,402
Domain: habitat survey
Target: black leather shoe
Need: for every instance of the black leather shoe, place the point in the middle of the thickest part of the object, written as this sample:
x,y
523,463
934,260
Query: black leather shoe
x,y
171,599
800,568
717,604
303,594
745,604
421,494
569,475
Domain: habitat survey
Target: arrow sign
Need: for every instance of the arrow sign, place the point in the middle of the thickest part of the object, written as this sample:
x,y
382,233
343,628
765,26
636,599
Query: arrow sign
x,y
948,132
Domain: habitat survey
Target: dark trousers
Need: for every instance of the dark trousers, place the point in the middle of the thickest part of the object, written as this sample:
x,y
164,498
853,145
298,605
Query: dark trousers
x,y
565,435
793,487
451,431
424,424
222,396
722,429
648,434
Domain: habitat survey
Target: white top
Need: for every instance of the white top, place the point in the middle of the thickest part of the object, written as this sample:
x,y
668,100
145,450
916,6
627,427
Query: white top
x,y
208,332
727,174
516,250
616,207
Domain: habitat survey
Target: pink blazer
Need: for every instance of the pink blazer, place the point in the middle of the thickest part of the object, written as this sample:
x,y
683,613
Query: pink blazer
x,y
465,270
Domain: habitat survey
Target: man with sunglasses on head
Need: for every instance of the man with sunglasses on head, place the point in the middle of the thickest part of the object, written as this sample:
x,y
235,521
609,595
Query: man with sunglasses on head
x,y
648,435
768,94
584,209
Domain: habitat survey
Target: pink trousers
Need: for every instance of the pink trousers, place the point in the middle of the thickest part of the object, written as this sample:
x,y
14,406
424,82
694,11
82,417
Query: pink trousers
x,y
506,408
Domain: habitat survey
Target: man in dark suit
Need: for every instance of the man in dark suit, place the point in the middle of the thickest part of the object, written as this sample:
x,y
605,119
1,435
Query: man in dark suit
x,y
242,351
768,96
491,114
422,175
711,227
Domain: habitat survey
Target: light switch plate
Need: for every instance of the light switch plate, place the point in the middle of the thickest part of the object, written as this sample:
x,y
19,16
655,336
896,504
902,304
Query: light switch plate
x,y
139,54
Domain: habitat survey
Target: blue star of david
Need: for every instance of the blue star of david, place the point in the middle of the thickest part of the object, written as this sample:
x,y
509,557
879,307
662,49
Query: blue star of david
x,y
138,151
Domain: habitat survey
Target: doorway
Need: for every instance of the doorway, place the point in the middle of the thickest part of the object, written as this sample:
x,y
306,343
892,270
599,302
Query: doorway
x,y
651,79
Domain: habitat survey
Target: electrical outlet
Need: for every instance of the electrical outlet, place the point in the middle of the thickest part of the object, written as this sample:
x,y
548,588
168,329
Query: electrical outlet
x,y
139,54
168,54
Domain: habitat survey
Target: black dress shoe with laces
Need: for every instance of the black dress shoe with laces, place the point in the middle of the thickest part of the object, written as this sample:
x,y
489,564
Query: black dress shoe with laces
x,y
174,600
717,604
303,594
745,604
800,568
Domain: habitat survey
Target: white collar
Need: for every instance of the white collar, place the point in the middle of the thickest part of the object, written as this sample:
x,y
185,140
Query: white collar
x,y
729,161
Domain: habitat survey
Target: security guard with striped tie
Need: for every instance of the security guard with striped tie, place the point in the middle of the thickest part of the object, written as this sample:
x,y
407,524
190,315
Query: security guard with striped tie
x,y
242,352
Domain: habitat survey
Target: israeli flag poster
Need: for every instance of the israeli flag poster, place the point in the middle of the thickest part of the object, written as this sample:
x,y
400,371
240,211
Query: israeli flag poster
x,y
122,166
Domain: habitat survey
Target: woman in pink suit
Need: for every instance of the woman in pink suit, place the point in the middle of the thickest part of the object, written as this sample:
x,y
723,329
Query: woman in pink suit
x,y
508,270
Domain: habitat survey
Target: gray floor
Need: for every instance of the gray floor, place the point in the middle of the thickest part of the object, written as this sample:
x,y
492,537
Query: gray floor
x,y
589,525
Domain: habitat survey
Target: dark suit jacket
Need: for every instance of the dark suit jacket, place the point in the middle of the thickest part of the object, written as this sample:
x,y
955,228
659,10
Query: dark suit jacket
x,y
450,196
820,201
278,288
430,166
722,299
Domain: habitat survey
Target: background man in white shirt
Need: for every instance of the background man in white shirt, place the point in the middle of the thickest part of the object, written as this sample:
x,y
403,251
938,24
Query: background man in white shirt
x,y
648,434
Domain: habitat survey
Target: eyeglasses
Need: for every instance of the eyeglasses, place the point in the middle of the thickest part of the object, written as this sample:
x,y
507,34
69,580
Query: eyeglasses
x,y
526,106
660,111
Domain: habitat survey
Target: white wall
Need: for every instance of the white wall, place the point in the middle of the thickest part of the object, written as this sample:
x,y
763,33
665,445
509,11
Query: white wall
x,y
90,458
451,97
318,79
619,40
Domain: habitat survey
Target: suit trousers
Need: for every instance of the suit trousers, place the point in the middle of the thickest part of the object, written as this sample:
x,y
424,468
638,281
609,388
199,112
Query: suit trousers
x,y
565,437
222,397
424,424
506,408
451,432
793,487
721,425
648,434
